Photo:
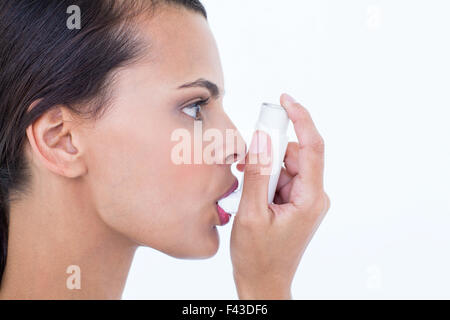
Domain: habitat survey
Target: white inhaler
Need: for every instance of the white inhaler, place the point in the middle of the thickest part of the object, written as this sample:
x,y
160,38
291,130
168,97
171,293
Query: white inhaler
x,y
273,120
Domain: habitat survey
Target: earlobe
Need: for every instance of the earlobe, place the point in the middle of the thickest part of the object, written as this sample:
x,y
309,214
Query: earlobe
x,y
51,140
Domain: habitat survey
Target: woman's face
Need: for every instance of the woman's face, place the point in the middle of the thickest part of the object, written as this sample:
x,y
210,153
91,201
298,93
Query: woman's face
x,y
137,186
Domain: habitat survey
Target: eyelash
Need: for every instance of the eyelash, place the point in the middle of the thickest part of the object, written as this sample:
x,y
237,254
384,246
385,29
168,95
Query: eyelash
x,y
197,106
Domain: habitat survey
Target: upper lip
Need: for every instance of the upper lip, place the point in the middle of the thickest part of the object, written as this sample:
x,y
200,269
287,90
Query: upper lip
x,y
233,187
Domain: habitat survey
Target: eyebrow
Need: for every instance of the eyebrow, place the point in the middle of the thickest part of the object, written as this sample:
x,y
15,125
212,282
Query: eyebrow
x,y
203,83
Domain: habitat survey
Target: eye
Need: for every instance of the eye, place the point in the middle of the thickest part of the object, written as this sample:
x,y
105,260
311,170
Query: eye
x,y
194,110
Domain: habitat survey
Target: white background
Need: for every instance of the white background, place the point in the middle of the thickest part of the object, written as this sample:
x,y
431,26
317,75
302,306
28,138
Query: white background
x,y
375,76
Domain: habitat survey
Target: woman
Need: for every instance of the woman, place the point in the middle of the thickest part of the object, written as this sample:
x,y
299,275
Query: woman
x,y
87,174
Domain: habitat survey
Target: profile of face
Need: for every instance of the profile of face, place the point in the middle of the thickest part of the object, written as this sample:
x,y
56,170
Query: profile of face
x,y
124,167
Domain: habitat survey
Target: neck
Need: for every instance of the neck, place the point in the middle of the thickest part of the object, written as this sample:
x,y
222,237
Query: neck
x,y
63,250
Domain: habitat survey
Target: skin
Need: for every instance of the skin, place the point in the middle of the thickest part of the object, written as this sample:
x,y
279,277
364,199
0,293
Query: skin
x,y
268,241
99,189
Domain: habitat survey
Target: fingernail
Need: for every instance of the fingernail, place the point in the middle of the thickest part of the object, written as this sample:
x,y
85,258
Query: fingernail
x,y
259,143
289,99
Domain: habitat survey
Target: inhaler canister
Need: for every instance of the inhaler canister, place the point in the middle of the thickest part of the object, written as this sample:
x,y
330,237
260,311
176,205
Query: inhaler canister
x,y
273,120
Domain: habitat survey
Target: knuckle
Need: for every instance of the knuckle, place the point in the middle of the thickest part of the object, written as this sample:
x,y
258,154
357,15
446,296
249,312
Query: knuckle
x,y
305,203
327,202
251,167
244,220
253,172
248,219
313,208
292,146
302,114
292,149
318,145
312,204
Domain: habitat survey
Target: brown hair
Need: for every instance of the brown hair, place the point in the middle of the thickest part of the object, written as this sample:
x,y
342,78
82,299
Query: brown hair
x,y
42,59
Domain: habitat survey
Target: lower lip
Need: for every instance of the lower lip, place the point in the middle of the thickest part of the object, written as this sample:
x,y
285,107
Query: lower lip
x,y
223,216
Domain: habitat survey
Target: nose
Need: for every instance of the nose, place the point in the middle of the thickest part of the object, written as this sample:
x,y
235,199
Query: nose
x,y
234,144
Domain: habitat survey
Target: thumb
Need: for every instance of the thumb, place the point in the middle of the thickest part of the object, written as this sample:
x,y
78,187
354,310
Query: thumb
x,y
257,171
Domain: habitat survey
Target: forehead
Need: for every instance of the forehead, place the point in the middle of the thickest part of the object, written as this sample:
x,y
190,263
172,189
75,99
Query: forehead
x,y
182,46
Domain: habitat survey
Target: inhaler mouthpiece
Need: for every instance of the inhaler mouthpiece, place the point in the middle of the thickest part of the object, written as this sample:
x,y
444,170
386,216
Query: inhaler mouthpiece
x,y
274,121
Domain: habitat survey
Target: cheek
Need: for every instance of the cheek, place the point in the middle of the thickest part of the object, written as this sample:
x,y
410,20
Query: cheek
x,y
129,173
141,193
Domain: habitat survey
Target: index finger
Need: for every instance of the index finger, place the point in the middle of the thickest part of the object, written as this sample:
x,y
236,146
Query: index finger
x,y
311,153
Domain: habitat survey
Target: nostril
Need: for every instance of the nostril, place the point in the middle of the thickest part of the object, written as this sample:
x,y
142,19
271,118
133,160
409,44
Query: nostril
x,y
232,158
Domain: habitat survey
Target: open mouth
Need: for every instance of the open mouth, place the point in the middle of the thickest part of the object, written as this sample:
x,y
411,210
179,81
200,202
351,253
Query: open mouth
x,y
233,187
223,215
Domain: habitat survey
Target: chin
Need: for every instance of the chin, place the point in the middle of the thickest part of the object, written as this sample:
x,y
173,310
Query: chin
x,y
204,248
211,246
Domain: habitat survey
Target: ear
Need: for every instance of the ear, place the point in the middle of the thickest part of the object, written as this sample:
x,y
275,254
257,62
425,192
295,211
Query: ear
x,y
53,139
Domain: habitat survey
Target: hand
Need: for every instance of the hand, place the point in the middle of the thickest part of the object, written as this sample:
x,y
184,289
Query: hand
x,y
268,241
